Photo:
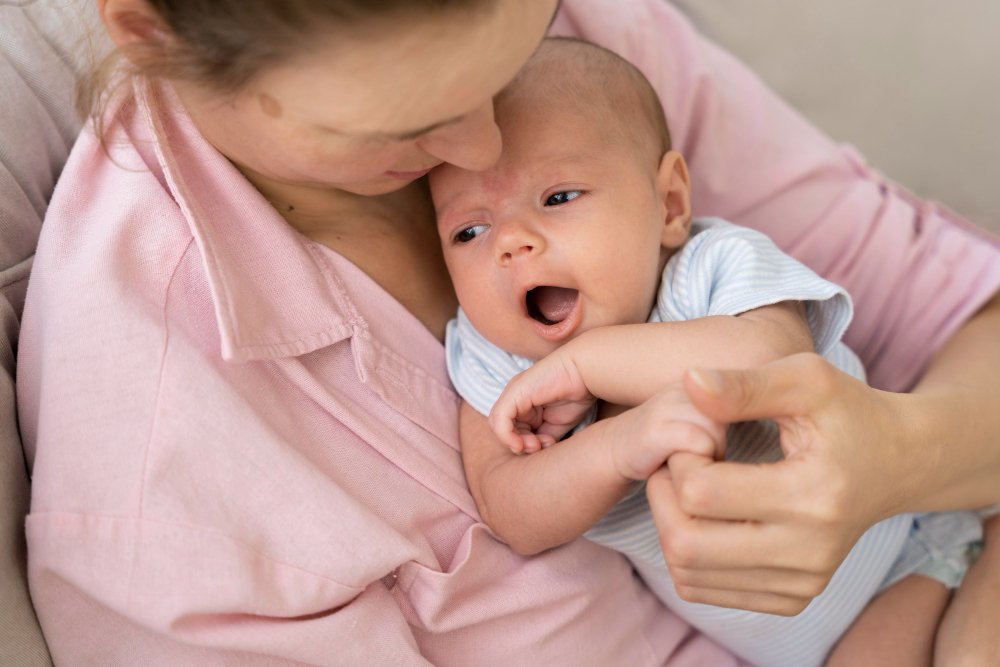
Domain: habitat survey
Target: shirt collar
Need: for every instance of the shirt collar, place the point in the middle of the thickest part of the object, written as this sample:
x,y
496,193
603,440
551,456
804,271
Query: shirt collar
x,y
273,293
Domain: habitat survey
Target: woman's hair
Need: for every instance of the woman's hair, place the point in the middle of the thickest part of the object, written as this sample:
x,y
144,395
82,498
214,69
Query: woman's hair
x,y
224,43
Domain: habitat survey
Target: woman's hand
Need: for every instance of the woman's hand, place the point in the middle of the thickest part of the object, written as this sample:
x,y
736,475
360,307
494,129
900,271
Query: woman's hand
x,y
768,537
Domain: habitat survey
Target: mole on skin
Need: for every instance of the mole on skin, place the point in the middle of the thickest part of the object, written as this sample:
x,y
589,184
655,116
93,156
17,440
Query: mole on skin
x,y
269,105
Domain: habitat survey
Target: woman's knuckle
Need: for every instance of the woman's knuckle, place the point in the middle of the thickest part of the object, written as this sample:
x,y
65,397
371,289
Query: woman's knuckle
x,y
824,511
821,563
829,501
807,585
815,585
688,593
824,375
678,549
682,576
693,494
746,388
791,606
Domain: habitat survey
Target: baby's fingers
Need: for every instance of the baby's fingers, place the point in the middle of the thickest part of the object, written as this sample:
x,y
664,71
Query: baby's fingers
x,y
508,430
646,455
508,434
534,442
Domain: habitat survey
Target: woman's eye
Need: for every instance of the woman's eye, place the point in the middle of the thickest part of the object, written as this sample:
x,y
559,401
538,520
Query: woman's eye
x,y
562,197
468,233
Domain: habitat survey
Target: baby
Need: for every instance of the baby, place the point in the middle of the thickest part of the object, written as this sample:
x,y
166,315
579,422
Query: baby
x,y
580,270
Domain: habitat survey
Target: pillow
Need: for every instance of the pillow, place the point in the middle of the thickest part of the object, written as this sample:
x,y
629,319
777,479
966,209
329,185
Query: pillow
x,y
43,47
906,82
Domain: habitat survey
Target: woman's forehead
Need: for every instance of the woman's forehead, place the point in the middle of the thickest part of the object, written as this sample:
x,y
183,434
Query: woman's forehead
x,y
407,79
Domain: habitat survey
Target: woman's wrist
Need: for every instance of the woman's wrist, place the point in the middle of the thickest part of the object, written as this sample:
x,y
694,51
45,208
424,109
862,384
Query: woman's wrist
x,y
913,472
941,431
946,435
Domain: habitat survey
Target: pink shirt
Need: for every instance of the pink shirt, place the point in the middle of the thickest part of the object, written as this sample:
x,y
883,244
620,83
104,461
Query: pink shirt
x,y
245,452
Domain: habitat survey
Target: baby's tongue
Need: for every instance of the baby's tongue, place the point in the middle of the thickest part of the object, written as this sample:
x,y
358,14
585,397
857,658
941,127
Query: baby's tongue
x,y
555,303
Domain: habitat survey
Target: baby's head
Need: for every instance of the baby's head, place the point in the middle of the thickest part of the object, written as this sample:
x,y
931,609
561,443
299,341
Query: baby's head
x,y
571,228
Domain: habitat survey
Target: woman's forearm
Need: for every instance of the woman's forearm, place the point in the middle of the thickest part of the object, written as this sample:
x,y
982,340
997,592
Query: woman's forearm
x,y
953,419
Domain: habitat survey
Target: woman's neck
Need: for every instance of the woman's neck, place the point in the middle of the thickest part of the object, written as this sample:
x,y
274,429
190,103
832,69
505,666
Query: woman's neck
x,y
392,238
314,210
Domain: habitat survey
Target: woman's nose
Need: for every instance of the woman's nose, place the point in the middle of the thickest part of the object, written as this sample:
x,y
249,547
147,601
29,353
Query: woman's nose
x,y
473,142
516,240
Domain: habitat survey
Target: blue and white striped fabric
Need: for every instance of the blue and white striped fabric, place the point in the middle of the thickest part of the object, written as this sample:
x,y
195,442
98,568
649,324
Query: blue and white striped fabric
x,y
722,270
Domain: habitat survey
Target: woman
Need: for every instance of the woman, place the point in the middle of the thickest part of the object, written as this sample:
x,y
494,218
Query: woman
x,y
232,386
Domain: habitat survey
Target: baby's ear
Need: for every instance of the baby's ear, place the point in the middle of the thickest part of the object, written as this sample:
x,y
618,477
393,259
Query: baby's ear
x,y
673,188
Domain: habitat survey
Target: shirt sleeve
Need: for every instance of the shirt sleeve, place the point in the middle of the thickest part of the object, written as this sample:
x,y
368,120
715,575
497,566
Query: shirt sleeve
x,y
479,369
727,270
915,271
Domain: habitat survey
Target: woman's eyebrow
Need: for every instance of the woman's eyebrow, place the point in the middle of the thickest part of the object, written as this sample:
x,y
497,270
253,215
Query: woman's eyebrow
x,y
393,136
413,134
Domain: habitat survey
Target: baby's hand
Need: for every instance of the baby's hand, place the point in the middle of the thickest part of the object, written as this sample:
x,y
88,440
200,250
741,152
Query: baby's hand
x,y
541,405
665,424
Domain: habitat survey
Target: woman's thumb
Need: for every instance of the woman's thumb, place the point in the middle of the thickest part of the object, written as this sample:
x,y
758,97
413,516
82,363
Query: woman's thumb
x,y
780,388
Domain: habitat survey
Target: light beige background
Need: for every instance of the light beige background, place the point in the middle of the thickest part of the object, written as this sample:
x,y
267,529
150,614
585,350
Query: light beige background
x,y
915,84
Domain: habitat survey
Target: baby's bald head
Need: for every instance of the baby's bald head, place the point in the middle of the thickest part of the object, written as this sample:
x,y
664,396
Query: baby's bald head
x,y
572,76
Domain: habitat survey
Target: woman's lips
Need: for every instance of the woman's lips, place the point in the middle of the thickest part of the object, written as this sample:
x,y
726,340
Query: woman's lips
x,y
408,175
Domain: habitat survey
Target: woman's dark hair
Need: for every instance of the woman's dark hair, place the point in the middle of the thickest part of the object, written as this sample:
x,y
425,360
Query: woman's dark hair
x,y
224,43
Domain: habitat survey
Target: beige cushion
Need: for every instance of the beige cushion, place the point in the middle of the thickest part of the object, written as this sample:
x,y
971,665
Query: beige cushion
x,y
20,639
912,83
40,54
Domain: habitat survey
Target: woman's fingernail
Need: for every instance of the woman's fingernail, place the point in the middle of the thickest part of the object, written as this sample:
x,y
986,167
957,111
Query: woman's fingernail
x,y
710,381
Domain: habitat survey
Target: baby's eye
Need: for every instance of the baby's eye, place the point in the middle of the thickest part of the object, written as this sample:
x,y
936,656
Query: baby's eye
x,y
468,233
562,197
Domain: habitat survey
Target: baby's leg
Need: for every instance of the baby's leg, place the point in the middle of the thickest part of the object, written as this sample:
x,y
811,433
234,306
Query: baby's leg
x,y
970,631
896,628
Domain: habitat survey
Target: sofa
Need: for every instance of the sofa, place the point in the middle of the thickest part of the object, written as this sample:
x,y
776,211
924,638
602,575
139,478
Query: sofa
x,y
904,80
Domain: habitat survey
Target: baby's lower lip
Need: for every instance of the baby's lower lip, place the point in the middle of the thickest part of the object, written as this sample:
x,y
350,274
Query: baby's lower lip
x,y
407,175
562,330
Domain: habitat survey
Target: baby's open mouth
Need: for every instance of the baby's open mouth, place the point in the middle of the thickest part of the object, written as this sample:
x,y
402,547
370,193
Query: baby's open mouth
x,y
550,305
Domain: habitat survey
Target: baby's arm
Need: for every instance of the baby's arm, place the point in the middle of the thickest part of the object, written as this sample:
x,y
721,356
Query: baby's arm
x,y
627,364
538,502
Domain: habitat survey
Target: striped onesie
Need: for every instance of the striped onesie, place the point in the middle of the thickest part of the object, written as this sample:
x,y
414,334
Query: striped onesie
x,y
724,269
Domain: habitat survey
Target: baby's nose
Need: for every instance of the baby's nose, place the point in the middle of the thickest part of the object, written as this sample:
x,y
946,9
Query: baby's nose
x,y
516,241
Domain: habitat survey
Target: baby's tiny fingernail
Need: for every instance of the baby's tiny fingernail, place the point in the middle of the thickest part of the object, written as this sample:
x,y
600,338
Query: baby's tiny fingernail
x,y
710,381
